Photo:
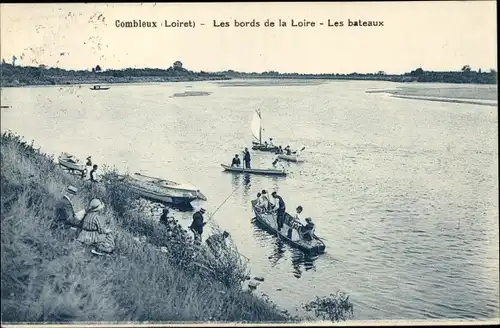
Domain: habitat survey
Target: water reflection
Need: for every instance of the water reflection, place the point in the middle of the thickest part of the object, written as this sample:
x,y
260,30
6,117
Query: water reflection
x,y
278,252
246,187
301,259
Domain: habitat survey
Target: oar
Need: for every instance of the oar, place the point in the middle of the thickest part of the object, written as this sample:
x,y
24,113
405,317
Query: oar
x,y
295,152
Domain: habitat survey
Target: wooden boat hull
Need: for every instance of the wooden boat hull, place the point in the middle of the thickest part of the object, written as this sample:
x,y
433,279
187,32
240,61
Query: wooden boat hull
x,y
291,158
268,222
253,171
163,198
161,190
63,161
264,148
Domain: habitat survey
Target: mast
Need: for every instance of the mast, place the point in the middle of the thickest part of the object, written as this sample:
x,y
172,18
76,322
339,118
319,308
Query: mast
x,y
260,128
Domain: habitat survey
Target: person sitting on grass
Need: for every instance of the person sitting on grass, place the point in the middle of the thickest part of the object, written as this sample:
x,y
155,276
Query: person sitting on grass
x,y
65,215
93,232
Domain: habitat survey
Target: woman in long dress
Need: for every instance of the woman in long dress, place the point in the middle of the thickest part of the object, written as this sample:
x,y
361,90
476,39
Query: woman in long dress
x,y
93,232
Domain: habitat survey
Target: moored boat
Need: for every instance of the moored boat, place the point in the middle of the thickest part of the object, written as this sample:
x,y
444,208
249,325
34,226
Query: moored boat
x,y
289,232
99,88
70,162
162,190
254,171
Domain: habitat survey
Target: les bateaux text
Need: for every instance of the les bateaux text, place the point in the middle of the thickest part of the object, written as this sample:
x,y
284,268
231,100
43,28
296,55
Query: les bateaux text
x,y
138,23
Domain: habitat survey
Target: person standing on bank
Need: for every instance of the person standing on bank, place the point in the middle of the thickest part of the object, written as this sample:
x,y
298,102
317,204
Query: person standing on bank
x,y
280,211
197,225
93,174
246,158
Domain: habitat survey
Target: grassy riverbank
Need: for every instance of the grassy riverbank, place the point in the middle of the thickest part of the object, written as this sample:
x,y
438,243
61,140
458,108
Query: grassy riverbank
x,y
48,277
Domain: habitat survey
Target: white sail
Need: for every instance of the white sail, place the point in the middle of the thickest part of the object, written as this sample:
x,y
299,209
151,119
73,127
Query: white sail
x,y
256,126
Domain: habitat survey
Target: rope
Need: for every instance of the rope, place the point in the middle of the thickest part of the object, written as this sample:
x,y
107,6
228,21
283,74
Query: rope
x,y
225,200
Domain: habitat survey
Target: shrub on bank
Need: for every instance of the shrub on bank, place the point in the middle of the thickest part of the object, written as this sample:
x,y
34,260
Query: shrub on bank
x,y
46,276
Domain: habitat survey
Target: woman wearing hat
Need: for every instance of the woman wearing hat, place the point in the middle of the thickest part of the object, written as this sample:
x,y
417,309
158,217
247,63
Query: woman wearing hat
x,y
93,231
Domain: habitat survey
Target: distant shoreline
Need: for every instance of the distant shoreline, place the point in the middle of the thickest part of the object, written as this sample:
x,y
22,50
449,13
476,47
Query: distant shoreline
x,y
21,76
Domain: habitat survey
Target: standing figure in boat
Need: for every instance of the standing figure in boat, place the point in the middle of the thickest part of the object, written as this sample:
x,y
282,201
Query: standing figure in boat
x,y
280,209
236,161
298,215
270,142
246,158
266,205
288,151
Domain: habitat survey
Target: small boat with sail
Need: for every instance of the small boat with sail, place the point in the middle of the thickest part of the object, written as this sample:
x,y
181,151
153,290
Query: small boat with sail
x,y
256,126
70,162
237,169
162,190
289,232
98,88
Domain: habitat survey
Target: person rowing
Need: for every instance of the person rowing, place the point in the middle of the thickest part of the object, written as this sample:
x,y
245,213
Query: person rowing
x,y
307,231
288,150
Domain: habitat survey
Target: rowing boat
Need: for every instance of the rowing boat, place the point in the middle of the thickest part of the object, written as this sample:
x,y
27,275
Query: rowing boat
x,y
291,158
261,147
162,190
254,171
70,162
289,232
98,88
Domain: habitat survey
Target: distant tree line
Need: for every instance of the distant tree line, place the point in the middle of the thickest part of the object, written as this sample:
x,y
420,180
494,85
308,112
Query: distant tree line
x,y
465,75
12,75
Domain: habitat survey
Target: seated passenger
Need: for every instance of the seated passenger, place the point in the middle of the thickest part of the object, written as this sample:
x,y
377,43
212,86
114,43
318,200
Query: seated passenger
x,y
307,231
236,161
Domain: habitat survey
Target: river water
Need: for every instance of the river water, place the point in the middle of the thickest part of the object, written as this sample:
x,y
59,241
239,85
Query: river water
x,y
405,192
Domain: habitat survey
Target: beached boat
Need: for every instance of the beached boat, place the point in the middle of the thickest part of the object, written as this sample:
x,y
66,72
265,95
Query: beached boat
x,y
99,88
70,162
289,232
254,171
291,158
256,127
162,190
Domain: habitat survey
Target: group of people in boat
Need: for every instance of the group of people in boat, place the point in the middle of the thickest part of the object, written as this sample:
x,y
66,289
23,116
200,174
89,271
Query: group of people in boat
x,y
264,205
287,150
89,223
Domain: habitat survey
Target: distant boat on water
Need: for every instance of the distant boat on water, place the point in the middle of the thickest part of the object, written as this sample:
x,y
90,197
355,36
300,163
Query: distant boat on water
x,y
192,94
256,127
3,106
99,88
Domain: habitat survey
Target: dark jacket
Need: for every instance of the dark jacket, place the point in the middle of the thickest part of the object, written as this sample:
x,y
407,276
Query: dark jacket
x,y
64,212
246,158
92,172
236,161
281,205
198,223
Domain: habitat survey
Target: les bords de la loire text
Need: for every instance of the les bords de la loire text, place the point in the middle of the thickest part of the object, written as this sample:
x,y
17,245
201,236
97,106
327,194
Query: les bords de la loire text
x,y
138,23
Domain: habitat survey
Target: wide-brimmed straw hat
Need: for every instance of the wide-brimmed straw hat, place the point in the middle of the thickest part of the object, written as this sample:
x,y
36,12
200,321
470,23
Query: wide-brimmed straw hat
x,y
96,205
202,210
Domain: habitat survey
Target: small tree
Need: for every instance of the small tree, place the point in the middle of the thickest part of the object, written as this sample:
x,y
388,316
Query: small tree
x,y
97,68
466,68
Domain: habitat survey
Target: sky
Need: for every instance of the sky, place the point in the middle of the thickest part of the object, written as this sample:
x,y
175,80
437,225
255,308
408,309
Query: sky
x,y
442,35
